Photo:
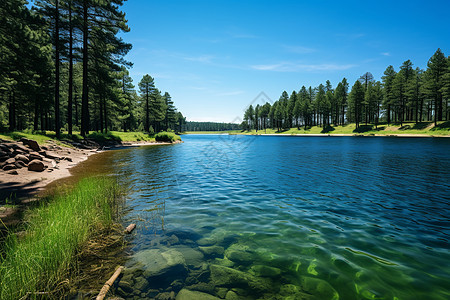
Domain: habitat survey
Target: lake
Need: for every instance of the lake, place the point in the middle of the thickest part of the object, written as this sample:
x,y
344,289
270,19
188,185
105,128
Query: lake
x,y
260,217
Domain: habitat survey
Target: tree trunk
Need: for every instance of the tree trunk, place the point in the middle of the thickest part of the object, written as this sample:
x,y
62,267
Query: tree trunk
x,y
84,97
57,121
69,100
36,113
147,114
101,114
12,112
105,115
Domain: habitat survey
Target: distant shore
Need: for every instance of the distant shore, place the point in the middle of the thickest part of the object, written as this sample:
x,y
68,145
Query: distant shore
x,y
355,135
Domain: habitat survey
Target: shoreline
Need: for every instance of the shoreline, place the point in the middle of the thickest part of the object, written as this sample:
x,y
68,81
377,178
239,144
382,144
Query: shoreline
x,y
406,135
26,185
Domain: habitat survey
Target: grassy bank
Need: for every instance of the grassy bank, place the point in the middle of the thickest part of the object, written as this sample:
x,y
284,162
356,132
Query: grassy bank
x,y
425,128
169,137
114,136
54,233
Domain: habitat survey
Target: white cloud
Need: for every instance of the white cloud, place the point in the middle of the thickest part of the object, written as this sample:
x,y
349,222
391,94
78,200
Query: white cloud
x,y
386,54
233,93
201,58
298,49
296,67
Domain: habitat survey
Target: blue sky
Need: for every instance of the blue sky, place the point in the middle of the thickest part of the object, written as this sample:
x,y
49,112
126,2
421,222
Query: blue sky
x,y
216,57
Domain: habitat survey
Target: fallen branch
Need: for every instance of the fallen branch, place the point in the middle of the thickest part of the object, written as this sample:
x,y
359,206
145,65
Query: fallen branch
x,y
130,228
109,283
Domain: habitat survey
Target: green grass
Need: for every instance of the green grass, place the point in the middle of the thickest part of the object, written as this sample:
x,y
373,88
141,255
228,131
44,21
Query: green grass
x,y
424,128
55,231
44,137
169,137
133,136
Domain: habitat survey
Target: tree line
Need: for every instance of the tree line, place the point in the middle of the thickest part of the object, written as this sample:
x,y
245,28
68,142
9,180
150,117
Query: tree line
x,y
62,67
210,126
409,94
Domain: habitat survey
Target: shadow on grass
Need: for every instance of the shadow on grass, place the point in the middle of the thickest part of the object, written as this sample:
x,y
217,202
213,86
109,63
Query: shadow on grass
x,y
363,128
328,129
96,136
445,125
421,125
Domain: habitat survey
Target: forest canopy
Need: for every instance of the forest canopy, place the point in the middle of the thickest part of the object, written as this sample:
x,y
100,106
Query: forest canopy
x,y
408,94
62,67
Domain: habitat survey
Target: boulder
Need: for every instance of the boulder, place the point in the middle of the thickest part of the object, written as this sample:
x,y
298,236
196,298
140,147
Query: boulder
x,y
31,143
20,148
212,251
265,271
20,164
290,291
52,155
8,167
125,286
13,172
232,296
10,161
191,256
156,262
186,294
319,288
227,277
141,283
22,158
36,165
240,254
34,155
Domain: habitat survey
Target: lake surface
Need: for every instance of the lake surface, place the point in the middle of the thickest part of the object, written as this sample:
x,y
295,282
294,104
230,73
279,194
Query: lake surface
x,y
259,217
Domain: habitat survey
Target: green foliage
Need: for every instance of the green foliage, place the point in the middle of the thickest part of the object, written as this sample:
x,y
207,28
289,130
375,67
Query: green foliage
x,y
53,234
169,137
211,126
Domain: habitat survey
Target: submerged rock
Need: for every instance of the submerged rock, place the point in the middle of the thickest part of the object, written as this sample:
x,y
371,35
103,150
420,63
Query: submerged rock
x,y
240,254
212,251
227,277
186,294
141,283
191,256
265,271
293,292
156,262
319,288
232,296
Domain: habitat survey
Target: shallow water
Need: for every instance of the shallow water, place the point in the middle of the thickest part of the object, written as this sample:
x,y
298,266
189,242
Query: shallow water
x,y
311,217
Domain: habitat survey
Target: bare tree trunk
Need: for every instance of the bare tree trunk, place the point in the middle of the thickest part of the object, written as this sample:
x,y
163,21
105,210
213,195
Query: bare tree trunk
x,y
57,120
84,97
69,100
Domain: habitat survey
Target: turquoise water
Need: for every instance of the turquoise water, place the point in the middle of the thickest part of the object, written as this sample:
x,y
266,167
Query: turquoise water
x,y
292,217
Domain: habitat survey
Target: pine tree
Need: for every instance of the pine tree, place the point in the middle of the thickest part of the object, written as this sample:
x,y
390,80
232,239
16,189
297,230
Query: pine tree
x,y
146,88
434,82
170,112
355,100
389,96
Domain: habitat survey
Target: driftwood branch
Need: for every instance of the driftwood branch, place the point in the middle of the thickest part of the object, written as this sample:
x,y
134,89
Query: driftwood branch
x,y
109,283
130,228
